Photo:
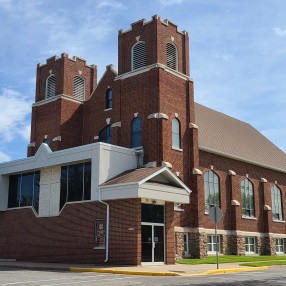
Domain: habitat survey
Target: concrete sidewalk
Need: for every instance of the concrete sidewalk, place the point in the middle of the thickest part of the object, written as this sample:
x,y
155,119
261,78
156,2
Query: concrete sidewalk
x,y
151,270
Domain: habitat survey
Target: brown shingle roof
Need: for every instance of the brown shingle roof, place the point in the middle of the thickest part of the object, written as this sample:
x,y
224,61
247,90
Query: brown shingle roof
x,y
226,134
132,176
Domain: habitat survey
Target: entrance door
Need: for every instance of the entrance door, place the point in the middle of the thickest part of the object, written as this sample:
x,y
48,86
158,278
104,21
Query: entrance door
x,y
152,243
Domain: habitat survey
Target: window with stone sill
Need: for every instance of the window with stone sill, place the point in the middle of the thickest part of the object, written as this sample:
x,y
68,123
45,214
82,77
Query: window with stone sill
x,y
211,185
51,86
276,203
250,246
280,246
212,242
176,134
108,99
186,243
247,198
136,132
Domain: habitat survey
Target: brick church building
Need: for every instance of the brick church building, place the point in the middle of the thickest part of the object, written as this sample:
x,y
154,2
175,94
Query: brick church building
x,y
124,170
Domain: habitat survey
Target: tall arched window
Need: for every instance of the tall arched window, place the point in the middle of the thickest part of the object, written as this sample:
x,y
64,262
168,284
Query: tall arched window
x,y
172,56
176,133
108,99
276,203
247,198
105,135
78,87
51,86
211,183
136,133
138,55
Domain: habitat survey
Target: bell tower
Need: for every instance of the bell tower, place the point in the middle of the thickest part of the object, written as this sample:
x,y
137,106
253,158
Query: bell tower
x,y
63,84
153,69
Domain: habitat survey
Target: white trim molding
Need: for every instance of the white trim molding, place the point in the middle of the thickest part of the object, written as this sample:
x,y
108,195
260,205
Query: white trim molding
x,y
58,138
235,203
193,126
197,172
116,124
167,164
267,208
231,173
33,144
158,115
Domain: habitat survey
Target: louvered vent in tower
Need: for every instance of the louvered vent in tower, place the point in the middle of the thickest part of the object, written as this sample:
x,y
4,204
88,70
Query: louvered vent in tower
x,y
171,56
51,86
139,56
78,87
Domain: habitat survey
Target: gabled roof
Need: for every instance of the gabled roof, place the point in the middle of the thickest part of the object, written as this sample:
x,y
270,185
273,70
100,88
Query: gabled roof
x,y
160,175
230,137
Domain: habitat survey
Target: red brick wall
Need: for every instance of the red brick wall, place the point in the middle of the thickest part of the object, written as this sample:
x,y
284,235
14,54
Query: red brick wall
x,y
65,69
70,237
156,35
262,193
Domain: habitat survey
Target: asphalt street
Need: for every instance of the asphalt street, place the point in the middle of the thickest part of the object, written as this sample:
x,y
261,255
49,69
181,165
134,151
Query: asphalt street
x,y
20,277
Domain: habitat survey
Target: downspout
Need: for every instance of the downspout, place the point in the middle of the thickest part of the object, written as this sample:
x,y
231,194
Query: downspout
x,y
107,224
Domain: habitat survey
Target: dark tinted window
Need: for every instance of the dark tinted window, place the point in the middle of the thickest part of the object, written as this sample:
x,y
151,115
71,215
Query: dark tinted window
x,y
136,133
14,191
108,103
105,135
152,213
87,181
27,187
64,186
24,190
75,183
36,190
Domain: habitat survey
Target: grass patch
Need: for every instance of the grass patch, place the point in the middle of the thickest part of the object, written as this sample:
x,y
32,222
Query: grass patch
x,y
231,259
265,263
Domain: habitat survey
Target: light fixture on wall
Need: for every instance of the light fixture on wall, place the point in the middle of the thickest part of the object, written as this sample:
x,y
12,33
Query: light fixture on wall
x,y
154,202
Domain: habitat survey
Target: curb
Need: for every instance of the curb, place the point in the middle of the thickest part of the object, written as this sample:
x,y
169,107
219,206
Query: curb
x,y
126,272
149,273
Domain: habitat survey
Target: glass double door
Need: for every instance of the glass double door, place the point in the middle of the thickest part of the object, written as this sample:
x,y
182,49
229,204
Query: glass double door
x,y
152,240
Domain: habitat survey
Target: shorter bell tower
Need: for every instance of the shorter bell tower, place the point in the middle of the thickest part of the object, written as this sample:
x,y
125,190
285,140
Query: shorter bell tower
x,y
63,84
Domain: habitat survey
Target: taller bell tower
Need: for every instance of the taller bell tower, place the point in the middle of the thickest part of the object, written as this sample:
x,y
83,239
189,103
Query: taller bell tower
x,y
153,69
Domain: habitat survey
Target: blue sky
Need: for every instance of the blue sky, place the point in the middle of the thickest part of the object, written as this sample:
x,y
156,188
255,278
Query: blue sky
x,y
237,54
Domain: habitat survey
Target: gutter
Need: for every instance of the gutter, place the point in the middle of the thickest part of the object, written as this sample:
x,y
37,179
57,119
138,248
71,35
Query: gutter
x,y
107,224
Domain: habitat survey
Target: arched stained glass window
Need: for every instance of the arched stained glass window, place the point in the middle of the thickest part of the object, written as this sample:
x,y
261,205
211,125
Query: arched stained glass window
x,y
105,135
247,198
108,99
79,87
211,183
51,86
172,56
138,55
136,132
176,133
276,203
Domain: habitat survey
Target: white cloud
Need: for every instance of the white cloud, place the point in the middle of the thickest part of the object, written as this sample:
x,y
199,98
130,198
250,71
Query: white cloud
x,y
225,57
166,3
14,110
110,4
4,157
280,32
